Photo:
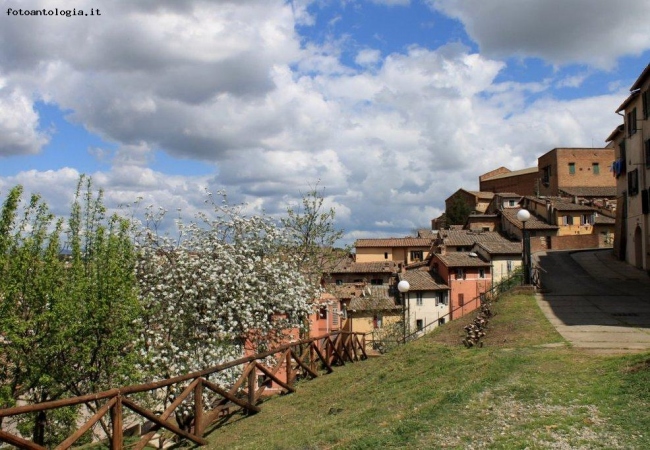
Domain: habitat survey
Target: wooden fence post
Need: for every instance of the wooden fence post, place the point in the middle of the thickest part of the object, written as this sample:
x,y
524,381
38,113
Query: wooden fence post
x,y
198,408
117,442
252,378
289,368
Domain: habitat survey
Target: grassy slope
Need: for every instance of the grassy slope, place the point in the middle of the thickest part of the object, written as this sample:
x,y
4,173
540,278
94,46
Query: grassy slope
x,y
433,393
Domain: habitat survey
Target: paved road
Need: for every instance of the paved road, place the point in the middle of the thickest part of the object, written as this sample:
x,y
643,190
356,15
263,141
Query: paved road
x,y
595,301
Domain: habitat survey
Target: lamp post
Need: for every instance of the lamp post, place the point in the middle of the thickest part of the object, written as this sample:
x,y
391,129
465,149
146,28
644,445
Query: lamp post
x,y
403,286
523,215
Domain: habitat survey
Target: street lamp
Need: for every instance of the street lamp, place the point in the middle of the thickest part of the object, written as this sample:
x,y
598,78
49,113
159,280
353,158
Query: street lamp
x,y
403,286
523,215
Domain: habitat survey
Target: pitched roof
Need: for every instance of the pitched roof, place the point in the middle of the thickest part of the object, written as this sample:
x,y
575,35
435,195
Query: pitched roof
x,y
421,280
569,206
619,129
627,101
645,74
501,248
508,195
513,173
461,259
604,220
427,234
588,191
483,195
379,299
534,223
394,242
469,237
349,266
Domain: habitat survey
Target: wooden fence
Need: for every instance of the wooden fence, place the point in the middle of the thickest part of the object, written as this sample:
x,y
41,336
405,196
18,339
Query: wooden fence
x,y
303,359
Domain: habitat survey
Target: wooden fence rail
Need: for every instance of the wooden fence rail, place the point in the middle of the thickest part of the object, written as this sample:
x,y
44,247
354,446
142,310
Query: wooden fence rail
x,y
302,359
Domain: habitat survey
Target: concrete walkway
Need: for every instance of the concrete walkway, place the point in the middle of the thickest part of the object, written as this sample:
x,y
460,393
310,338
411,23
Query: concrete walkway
x,y
596,302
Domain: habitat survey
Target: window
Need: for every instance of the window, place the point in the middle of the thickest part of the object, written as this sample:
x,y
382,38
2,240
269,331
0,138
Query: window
x,y
416,255
385,255
631,122
339,282
511,203
546,175
441,298
376,321
322,313
645,203
633,182
335,316
377,282
419,324
441,321
586,219
461,299
418,298
595,167
509,266
572,168
567,220
645,97
646,146
481,273
460,274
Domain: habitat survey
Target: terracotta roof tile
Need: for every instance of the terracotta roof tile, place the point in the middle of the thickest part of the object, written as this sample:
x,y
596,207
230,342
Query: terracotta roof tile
x,y
349,266
501,248
534,223
469,237
394,242
421,280
378,299
513,173
604,220
461,259
588,191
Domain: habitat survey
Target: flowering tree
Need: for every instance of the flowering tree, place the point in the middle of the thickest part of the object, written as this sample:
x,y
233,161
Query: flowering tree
x,y
228,281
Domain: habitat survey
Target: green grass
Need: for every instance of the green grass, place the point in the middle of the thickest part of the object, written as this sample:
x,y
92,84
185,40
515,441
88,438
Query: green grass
x,y
516,392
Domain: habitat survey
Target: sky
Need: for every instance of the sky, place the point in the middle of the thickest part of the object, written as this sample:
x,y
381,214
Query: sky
x,y
389,106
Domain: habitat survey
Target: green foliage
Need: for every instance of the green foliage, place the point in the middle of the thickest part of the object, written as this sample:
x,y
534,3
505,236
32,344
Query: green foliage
x,y
65,321
458,212
313,233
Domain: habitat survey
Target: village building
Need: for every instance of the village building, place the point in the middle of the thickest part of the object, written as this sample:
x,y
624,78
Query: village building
x,y
348,270
631,169
426,304
522,181
405,250
467,275
477,201
504,258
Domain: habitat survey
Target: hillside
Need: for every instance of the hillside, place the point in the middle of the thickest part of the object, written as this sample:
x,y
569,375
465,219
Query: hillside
x,y
524,389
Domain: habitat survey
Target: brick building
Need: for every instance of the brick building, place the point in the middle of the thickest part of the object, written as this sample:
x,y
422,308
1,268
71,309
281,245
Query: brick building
x,y
522,181
477,201
575,168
